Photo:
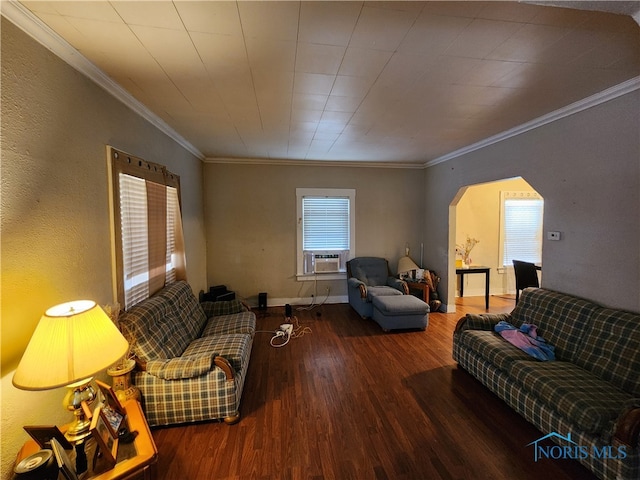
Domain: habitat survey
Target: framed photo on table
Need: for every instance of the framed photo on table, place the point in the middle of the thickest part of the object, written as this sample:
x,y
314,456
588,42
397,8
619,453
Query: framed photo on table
x,y
113,409
107,442
110,398
64,462
43,434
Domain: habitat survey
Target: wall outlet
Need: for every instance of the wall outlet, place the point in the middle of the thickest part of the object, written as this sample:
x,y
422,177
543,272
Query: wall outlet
x,y
287,328
553,235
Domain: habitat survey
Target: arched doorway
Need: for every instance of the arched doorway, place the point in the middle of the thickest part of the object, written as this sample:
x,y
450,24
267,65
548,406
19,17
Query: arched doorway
x,y
475,212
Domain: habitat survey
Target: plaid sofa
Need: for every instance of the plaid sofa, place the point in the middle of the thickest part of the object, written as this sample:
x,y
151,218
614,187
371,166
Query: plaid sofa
x,y
192,357
591,391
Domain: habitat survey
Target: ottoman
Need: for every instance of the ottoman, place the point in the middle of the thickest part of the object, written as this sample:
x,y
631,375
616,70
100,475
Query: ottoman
x,y
400,311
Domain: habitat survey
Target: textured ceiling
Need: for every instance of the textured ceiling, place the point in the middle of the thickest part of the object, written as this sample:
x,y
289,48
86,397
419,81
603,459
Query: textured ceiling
x,y
392,82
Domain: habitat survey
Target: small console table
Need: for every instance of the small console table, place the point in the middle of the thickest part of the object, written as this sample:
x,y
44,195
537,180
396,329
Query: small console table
x,y
475,269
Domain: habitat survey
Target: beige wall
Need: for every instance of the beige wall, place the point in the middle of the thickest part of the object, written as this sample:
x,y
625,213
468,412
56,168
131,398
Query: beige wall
x,y
478,216
251,223
587,168
55,213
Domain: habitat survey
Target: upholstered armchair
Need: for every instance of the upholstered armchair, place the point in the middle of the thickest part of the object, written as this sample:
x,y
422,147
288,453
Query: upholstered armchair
x,y
368,277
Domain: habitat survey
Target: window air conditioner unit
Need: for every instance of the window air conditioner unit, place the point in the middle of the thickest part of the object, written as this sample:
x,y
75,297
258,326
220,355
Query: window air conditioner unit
x,y
325,262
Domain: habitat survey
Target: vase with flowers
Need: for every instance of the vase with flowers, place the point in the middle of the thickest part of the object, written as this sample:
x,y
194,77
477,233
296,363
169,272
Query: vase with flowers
x,y
464,250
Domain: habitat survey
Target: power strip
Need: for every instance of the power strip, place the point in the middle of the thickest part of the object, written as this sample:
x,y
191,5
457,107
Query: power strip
x,y
287,328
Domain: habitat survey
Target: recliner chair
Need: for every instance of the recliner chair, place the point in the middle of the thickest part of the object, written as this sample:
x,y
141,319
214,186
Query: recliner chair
x,y
368,277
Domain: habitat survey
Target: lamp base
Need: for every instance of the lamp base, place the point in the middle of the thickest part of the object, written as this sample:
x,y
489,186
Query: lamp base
x,y
78,400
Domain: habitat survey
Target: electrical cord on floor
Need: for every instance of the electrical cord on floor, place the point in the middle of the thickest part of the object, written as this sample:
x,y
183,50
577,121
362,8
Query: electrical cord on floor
x,y
280,334
277,334
298,330
281,337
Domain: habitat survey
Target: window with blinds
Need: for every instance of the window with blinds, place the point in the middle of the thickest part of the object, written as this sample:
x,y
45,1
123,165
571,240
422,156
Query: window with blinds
x,y
325,223
148,228
521,227
325,230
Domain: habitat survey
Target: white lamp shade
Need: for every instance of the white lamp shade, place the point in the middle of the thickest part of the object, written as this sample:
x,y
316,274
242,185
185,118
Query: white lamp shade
x,y
405,264
73,341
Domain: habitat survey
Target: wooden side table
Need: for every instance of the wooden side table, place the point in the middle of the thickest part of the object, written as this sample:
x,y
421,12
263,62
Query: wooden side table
x,y
136,461
422,286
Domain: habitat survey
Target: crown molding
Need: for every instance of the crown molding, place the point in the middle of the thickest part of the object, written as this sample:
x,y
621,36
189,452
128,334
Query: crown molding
x,y
576,107
22,17
312,163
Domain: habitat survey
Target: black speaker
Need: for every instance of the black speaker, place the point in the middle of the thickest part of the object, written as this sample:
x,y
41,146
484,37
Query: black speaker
x,y
262,301
39,466
287,311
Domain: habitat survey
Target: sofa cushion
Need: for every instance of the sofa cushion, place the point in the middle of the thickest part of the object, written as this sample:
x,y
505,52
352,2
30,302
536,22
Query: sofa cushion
x,y
611,348
186,307
180,367
243,322
381,291
561,319
585,400
153,330
400,305
493,348
236,348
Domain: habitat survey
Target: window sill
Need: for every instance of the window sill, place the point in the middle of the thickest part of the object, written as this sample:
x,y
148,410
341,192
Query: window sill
x,y
309,277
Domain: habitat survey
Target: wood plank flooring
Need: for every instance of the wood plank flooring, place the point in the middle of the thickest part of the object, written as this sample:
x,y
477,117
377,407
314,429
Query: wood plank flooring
x,y
347,401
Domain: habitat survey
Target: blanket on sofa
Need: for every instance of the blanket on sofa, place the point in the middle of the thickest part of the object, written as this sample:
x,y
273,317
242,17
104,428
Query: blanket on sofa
x,y
526,338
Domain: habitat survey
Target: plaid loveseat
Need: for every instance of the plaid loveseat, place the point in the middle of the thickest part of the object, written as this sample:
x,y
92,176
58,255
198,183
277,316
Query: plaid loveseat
x,y
588,399
192,357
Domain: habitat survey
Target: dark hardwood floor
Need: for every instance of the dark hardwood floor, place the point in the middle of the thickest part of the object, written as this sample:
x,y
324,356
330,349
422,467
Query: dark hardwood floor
x,y
347,401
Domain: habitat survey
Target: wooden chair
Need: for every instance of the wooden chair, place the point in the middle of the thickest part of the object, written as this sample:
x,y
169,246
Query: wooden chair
x,y
526,276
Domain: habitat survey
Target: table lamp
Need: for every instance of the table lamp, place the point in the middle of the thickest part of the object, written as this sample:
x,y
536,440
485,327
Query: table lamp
x,y
72,342
405,265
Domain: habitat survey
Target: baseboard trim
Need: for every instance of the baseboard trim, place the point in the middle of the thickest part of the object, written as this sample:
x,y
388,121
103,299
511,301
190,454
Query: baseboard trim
x,y
301,302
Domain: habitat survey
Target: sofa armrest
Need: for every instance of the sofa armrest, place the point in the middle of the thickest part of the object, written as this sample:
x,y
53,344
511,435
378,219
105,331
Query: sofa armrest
x,y
627,430
225,366
481,322
224,307
398,284
219,361
355,283
180,368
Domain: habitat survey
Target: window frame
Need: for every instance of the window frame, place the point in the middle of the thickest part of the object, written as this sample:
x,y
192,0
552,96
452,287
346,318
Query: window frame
x,y
123,163
301,193
519,195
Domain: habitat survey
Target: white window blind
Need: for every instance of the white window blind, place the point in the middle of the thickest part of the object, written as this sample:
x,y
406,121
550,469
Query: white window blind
x,y
325,223
521,231
135,252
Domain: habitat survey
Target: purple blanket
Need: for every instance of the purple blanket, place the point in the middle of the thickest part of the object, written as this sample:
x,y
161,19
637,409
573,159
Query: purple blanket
x,y
527,339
